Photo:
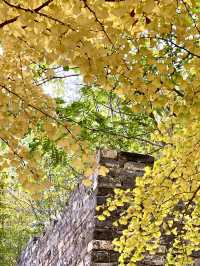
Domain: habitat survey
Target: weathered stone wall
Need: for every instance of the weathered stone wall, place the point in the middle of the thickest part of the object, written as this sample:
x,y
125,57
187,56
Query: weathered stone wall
x,y
123,169
78,238
66,241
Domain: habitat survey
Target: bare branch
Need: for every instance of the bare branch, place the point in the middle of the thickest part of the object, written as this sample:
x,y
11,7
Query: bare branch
x,y
43,81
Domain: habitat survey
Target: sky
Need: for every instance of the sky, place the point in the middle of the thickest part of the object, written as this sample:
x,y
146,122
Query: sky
x,y
67,88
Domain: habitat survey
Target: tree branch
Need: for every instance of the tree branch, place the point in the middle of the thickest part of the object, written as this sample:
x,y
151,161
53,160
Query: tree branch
x,y
98,21
43,81
37,9
177,45
43,5
38,109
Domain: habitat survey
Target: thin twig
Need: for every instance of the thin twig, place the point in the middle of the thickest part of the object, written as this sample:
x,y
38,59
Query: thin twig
x,y
38,109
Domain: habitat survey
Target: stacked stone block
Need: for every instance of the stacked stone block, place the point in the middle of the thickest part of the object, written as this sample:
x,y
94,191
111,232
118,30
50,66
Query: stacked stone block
x,y
66,241
123,167
78,237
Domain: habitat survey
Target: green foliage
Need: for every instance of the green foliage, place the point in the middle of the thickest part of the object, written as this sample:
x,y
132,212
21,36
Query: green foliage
x,y
106,120
24,214
16,220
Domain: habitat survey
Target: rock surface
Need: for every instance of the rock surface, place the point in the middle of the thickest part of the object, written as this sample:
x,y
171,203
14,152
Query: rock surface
x,y
78,238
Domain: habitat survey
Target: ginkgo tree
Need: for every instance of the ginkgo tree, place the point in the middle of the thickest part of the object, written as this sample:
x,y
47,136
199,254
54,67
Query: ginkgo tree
x,y
98,113
145,51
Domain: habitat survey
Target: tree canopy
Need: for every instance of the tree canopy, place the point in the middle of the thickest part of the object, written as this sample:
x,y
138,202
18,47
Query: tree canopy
x,y
145,56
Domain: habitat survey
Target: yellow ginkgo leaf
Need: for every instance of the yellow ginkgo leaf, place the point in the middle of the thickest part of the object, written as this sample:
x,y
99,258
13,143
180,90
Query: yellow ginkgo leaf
x,y
98,208
36,196
106,213
103,170
112,208
149,6
88,172
101,218
62,143
87,182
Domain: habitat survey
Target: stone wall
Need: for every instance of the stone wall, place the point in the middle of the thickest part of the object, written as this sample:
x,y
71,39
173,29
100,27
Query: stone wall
x,y
123,167
78,238
66,241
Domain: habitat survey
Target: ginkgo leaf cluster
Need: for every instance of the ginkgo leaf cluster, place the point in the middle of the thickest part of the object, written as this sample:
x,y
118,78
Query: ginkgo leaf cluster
x,y
146,51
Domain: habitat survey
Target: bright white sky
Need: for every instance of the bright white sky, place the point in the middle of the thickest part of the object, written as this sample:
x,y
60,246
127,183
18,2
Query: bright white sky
x,y
67,88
